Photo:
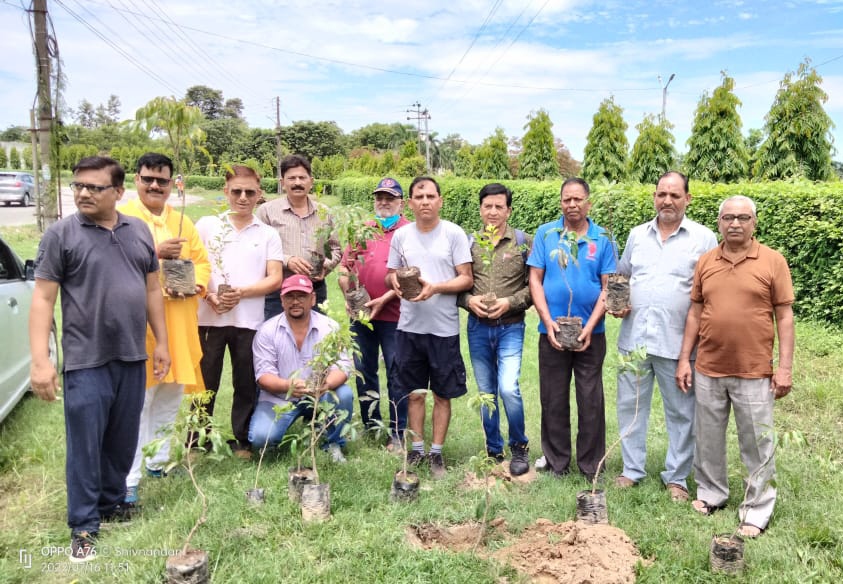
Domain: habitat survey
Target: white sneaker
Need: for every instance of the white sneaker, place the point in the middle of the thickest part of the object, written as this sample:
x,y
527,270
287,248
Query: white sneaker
x,y
336,453
541,463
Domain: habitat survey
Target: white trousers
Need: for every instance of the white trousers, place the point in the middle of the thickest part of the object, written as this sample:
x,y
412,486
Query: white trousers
x,y
160,408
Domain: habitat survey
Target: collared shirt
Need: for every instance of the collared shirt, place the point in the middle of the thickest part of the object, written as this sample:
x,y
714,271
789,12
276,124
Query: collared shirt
x,y
275,351
240,257
102,274
510,270
369,265
298,234
595,257
661,274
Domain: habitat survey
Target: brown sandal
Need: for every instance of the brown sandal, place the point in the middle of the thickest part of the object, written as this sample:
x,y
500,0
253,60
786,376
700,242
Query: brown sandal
x,y
706,509
677,492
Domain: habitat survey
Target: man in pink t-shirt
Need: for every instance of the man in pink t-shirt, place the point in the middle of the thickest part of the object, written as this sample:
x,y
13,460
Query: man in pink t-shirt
x,y
366,267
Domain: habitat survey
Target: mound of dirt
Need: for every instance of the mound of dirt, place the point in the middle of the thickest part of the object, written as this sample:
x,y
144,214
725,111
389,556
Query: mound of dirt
x,y
572,552
567,553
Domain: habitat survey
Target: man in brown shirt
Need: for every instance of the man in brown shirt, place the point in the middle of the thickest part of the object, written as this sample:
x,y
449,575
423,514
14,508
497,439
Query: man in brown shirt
x,y
496,326
740,289
299,221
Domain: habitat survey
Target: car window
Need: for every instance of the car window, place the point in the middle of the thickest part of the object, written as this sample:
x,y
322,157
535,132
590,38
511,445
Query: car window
x,y
9,267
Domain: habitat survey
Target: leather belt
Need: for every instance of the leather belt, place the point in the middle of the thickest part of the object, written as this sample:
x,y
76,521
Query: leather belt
x,y
502,321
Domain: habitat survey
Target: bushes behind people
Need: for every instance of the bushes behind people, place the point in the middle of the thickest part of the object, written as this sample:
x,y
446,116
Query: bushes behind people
x,y
801,219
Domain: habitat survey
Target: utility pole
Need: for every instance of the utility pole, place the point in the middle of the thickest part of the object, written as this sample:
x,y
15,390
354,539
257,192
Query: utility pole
x,y
278,136
47,208
421,114
664,93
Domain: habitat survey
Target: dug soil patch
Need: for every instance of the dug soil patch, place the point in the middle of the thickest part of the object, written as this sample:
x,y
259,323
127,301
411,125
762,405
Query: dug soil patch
x,y
568,553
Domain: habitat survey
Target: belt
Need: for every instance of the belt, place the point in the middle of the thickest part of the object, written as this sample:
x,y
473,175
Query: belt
x,y
502,321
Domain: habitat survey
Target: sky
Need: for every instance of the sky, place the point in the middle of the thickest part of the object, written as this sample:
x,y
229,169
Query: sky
x,y
475,65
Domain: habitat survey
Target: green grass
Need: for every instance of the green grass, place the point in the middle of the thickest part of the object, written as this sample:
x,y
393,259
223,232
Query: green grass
x,y
364,541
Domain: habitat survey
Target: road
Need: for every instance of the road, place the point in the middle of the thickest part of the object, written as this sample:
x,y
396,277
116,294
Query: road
x,y
14,216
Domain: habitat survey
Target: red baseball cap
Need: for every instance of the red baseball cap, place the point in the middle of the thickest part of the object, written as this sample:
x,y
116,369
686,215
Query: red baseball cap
x,y
297,283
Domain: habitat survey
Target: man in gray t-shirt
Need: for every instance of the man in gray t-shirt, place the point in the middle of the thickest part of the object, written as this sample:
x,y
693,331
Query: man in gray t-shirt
x,y
427,351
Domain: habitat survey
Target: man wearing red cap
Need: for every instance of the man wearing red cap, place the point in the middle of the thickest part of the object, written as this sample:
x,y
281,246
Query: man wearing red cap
x,y
283,346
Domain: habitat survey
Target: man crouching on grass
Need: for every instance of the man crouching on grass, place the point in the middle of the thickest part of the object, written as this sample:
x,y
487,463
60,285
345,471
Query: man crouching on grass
x,y
106,267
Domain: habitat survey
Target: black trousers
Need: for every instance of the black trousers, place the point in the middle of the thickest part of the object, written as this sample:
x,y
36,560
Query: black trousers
x,y
214,340
555,371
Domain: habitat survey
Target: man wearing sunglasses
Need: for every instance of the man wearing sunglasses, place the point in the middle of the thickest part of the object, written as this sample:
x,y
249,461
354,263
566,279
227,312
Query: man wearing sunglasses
x,y
741,300
175,237
245,255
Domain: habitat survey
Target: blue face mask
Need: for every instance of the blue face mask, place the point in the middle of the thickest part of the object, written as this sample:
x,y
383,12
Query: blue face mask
x,y
387,222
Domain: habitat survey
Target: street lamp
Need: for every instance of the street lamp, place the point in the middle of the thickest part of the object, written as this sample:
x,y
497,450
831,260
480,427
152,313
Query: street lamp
x,y
664,92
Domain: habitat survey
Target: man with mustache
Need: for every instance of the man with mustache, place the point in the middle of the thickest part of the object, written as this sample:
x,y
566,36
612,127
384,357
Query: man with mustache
x,y
659,260
741,299
301,223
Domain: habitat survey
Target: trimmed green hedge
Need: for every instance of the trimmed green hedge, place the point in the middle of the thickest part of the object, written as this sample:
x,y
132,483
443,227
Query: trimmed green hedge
x,y
801,219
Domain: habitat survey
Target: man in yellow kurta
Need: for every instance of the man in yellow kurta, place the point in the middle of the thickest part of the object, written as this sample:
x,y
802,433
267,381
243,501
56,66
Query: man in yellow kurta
x,y
175,238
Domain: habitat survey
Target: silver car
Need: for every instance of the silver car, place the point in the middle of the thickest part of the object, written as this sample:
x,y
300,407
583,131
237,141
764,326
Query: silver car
x,y
16,285
17,187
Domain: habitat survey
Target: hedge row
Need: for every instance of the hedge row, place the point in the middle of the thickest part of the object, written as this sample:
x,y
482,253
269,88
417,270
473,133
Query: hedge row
x,y
801,219
216,183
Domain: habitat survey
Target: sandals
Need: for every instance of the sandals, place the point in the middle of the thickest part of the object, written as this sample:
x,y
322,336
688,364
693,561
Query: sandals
x,y
678,493
704,508
751,526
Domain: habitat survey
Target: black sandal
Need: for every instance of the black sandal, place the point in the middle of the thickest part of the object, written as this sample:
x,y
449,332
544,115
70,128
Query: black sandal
x,y
706,509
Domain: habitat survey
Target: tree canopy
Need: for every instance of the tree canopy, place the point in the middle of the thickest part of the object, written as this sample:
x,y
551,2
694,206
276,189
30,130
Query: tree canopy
x,y
606,148
538,154
653,153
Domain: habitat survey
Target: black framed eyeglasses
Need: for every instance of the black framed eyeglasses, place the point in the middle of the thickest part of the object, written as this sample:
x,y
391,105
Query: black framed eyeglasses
x,y
93,189
148,180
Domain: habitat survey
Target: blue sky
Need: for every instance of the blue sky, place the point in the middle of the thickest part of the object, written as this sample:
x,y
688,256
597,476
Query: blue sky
x,y
475,64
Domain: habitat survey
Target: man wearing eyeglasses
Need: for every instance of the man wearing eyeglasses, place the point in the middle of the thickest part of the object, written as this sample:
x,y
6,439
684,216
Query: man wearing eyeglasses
x,y
106,267
659,259
741,299
175,237
246,256
301,222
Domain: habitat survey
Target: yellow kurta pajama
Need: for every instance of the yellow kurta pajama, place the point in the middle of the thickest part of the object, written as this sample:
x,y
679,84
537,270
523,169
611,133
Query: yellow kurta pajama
x,y
180,313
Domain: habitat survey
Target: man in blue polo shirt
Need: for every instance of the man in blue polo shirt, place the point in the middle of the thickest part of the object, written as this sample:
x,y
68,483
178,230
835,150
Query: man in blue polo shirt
x,y
587,278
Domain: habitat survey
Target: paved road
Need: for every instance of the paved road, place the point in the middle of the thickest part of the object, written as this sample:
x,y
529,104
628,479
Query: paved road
x,y
11,216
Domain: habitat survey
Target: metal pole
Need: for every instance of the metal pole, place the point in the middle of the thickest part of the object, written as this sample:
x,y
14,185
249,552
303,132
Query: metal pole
x,y
36,165
278,136
427,140
664,93
45,112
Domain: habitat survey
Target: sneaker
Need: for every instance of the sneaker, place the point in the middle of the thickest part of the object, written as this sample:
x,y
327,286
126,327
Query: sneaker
x,y
520,462
336,453
541,463
155,473
498,457
131,497
415,458
83,547
437,465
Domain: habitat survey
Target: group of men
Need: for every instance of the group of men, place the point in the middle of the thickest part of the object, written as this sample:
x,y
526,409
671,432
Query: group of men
x,y
257,294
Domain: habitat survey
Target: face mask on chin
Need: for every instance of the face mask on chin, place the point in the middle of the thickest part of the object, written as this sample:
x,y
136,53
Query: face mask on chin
x,y
387,222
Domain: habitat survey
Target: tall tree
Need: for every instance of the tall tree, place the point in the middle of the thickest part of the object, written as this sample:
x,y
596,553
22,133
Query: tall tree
x,y
606,148
233,109
653,153
464,163
568,167
180,123
716,149
313,139
113,108
3,160
491,159
208,100
14,158
799,141
85,114
538,154
380,136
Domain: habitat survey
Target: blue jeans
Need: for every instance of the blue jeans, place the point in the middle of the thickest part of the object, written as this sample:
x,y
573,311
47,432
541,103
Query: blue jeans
x,y
679,419
102,408
371,342
496,359
265,429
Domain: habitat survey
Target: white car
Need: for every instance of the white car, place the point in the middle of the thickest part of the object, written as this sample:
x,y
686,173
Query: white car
x,y
16,285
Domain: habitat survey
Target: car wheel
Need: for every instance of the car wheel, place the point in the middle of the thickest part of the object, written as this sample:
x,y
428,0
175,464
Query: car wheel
x,y
6,203
53,344
26,200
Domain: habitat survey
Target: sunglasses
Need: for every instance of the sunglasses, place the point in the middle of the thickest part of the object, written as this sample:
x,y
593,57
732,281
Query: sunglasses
x,y
148,180
93,189
240,192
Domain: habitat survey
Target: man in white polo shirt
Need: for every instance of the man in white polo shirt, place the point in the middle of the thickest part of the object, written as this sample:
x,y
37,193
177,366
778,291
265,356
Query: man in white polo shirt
x,y
246,255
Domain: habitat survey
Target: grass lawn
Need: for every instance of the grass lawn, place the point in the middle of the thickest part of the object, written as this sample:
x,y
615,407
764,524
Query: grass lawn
x,y
365,539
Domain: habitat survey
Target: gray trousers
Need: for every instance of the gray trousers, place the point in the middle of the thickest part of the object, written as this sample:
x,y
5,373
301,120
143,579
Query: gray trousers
x,y
753,405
